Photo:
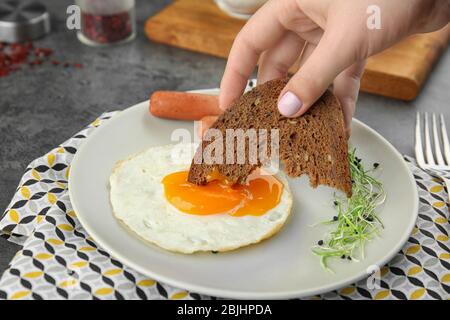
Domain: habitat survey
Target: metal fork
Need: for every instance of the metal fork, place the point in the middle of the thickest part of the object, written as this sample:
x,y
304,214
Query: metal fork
x,y
434,163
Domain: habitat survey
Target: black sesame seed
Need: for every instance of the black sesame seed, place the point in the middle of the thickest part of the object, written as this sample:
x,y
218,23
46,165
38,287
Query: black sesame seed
x,y
335,218
320,242
250,83
215,252
349,258
370,219
343,256
335,203
376,164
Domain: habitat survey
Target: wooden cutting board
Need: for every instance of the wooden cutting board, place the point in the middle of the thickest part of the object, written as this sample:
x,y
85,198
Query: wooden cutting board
x,y
199,25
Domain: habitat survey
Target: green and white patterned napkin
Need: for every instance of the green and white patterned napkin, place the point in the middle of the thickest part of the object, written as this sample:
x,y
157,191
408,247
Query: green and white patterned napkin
x,y
59,260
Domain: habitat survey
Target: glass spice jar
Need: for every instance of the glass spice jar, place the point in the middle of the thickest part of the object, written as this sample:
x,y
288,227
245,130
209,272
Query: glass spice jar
x,y
106,22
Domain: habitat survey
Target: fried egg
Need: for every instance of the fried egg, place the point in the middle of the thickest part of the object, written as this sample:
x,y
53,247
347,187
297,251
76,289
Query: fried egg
x,y
150,195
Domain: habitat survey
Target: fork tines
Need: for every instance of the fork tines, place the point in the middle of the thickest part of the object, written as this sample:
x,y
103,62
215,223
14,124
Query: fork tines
x,y
440,142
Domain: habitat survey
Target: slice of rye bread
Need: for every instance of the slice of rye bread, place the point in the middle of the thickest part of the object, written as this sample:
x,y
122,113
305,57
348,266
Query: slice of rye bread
x,y
314,144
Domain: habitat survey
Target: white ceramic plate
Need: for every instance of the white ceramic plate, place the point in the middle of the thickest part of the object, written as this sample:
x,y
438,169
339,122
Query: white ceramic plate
x,y
281,267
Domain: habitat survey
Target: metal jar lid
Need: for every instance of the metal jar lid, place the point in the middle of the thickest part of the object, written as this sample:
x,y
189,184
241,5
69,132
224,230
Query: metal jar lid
x,y
23,20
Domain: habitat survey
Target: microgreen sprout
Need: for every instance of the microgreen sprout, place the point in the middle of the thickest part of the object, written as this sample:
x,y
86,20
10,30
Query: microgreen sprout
x,y
357,220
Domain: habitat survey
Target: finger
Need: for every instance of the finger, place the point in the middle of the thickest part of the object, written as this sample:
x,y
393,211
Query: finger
x,y
346,89
259,34
204,124
307,52
328,60
275,62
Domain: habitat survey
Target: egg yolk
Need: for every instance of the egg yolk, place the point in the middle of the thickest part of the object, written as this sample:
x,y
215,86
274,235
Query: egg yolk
x,y
256,196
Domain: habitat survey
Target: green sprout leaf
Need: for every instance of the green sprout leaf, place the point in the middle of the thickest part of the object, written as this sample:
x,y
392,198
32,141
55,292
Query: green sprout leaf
x,y
357,219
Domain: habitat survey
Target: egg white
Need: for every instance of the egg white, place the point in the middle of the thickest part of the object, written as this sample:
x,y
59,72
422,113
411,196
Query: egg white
x,y
138,201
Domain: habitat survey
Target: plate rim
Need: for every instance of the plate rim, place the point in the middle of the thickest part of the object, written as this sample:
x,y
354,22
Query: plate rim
x,y
225,293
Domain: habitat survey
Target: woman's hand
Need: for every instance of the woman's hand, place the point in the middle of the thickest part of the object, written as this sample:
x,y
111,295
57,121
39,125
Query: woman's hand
x,y
333,39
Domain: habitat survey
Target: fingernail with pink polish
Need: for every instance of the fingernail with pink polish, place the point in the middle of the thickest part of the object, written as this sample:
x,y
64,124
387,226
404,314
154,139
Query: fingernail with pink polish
x,y
289,104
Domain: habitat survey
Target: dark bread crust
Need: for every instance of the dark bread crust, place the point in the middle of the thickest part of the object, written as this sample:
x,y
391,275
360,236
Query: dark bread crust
x,y
314,144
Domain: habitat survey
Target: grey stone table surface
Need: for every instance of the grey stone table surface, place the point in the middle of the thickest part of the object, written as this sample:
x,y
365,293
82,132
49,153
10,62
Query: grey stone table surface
x,y
42,107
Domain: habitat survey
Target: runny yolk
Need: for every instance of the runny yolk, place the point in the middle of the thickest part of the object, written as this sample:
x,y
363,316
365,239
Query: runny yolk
x,y
258,195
